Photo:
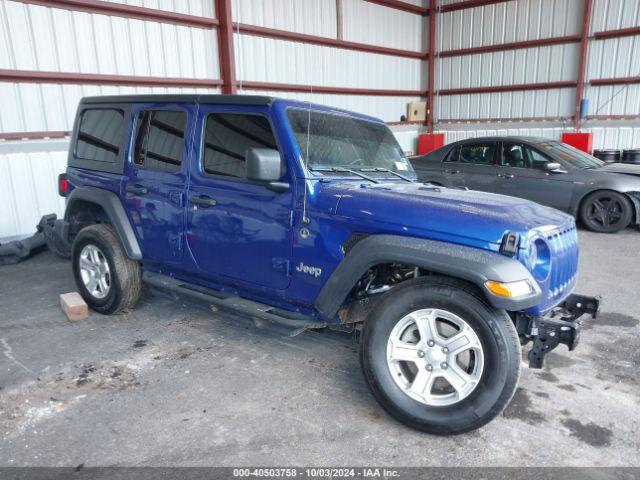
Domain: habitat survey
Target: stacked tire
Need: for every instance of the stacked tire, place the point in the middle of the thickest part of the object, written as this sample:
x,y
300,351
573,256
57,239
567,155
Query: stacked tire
x,y
631,156
609,156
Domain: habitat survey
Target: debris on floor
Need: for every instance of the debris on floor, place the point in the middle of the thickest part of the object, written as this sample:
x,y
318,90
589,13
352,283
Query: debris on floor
x,y
48,232
19,250
74,306
51,227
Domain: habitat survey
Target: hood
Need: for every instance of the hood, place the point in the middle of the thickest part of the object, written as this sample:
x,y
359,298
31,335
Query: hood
x,y
438,212
628,168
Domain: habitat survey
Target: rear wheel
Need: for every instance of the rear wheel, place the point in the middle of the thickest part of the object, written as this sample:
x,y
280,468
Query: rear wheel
x,y
439,358
606,211
107,280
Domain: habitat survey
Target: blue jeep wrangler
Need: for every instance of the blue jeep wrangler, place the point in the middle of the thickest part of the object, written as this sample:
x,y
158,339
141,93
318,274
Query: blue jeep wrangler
x,y
301,217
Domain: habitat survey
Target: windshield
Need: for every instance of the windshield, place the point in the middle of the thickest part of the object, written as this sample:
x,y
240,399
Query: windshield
x,y
575,157
339,141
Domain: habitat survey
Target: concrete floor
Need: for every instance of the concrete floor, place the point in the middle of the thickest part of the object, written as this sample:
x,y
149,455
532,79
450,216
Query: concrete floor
x,y
172,384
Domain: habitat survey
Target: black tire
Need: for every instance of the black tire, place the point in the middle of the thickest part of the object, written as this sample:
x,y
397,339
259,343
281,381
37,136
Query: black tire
x,y
606,211
124,274
494,329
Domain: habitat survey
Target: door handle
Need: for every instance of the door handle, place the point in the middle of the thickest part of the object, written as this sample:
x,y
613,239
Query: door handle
x,y
505,175
177,198
452,172
137,189
203,200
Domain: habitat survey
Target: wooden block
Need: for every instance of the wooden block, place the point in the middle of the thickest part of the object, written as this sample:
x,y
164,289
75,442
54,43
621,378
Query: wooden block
x,y
416,111
74,306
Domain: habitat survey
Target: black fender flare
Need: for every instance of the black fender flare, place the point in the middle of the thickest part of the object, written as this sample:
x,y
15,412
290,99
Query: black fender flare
x,y
467,263
112,206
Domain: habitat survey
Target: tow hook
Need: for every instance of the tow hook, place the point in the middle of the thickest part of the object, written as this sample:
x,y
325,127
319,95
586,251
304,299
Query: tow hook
x,y
561,326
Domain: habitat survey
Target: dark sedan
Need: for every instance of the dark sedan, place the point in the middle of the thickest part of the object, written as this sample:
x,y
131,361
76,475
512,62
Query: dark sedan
x,y
606,197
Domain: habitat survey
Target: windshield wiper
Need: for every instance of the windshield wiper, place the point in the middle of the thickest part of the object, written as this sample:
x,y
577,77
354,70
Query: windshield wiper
x,y
386,170
343,170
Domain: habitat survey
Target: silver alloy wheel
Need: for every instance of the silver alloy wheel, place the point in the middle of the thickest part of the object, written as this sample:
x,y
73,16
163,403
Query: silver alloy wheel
x,y
94,270
435,357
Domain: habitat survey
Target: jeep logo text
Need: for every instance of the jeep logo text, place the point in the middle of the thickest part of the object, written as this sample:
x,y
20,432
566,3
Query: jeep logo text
x,y
315,271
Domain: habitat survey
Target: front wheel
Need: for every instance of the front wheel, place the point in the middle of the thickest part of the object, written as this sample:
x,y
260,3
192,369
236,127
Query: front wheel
x,y
606,211
438,357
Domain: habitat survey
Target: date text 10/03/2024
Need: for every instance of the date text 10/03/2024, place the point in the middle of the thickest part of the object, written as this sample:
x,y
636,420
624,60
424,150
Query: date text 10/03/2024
x,y
316,472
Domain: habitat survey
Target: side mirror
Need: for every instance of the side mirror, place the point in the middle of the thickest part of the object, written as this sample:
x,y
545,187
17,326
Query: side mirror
x,y
552,167
265,165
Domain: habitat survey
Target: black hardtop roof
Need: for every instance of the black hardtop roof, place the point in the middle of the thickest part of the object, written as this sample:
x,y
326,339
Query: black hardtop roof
x,y
258,100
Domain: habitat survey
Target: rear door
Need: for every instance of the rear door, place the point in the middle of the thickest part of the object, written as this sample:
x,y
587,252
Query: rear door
x,y
472,165
521,173
154,188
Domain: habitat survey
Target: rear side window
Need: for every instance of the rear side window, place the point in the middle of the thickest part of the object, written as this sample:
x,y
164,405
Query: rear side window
x,y
159,140
453,155
228,136
100,135
478,153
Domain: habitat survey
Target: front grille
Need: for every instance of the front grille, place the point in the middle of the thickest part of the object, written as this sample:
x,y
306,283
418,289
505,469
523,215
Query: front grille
x,y
563,245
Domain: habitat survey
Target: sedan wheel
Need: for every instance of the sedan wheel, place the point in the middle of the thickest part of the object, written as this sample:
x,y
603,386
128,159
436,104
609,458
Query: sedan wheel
x,y
606,212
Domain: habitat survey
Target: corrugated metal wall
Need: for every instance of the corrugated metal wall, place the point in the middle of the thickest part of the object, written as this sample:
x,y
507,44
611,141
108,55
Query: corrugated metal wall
x,y
26,191
298,63
269,60
508,22
317,17
55,40
618,135
614,58
521,20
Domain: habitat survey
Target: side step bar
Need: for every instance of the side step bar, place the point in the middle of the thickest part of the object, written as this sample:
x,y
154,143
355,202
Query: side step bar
x,y
288,323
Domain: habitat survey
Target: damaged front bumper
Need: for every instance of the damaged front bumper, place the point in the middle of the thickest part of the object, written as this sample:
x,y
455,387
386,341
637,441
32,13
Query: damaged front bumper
x,y
560,325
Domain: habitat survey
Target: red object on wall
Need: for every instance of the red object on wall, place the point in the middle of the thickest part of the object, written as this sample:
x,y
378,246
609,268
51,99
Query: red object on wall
x,y
581,141
428,142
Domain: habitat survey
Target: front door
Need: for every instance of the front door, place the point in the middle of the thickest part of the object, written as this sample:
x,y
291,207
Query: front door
x,y
238,231
154,188
522,173
472,165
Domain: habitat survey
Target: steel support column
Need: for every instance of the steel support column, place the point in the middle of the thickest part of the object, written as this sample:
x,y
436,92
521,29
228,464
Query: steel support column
x,y
432,65
582,64
225,46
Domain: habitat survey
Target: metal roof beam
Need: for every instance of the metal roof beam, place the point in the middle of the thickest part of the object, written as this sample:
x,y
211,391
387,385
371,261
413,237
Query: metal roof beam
x,y
501,47
126,11
507,88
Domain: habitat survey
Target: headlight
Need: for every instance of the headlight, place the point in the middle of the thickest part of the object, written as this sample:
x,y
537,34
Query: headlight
x,y
517,289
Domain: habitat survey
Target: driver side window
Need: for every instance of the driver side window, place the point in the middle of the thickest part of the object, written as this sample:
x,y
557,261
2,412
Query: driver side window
x,y
537,159
522,156
228,136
